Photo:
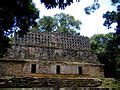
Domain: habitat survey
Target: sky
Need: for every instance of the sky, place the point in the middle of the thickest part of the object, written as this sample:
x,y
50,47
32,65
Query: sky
x,y
91,24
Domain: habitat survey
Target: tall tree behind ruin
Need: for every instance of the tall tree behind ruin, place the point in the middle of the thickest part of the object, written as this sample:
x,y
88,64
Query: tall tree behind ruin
x,y
22,14
104,45
60,23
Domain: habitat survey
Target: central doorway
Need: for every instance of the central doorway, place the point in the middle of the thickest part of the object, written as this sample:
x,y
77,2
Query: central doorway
x,y
58,69
33,68
79,70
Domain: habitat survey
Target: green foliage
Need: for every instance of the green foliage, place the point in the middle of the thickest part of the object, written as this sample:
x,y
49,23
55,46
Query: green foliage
x,y
99,42
19,14
106,48
110,83
60,23
47,23
60,3
113,50
111,17
90,9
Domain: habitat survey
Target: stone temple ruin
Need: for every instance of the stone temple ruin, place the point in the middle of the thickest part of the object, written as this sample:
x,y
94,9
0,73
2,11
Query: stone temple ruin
x,y
50,53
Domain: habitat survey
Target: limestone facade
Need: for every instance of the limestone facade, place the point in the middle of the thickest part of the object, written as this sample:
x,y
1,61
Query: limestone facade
x,y
51,53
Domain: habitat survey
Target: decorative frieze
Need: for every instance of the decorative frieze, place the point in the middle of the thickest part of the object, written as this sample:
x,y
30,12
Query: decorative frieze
x,y
54,39
52,46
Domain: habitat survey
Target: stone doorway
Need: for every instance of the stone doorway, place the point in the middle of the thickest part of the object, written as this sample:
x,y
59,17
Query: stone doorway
x,y
79,70
33,68
58,69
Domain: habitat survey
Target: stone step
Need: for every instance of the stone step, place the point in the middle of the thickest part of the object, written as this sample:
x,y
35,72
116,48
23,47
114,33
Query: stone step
x,y
49,82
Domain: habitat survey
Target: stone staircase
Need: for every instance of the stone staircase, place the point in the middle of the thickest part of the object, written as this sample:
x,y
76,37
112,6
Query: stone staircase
x,y
49,82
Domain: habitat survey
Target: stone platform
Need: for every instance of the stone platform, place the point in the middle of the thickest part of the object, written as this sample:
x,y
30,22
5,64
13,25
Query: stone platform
x,y
54,81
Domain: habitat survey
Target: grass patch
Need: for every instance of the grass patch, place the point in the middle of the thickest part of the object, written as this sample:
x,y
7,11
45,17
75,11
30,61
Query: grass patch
x,y
110,82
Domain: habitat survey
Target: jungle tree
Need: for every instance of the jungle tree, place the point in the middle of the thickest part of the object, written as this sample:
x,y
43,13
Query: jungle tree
x,y
60,22
22,14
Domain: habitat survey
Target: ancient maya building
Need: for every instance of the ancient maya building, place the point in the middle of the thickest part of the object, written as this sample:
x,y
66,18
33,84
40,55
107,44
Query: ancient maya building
x,y
50,53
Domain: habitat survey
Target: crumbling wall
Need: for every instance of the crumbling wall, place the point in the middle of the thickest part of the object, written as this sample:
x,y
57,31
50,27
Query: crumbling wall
x,y
14,67
48,53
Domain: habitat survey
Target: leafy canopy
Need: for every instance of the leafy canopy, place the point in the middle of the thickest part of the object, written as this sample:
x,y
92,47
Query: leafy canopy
x,y
19,14
60,23
60,3
107,50
99,42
